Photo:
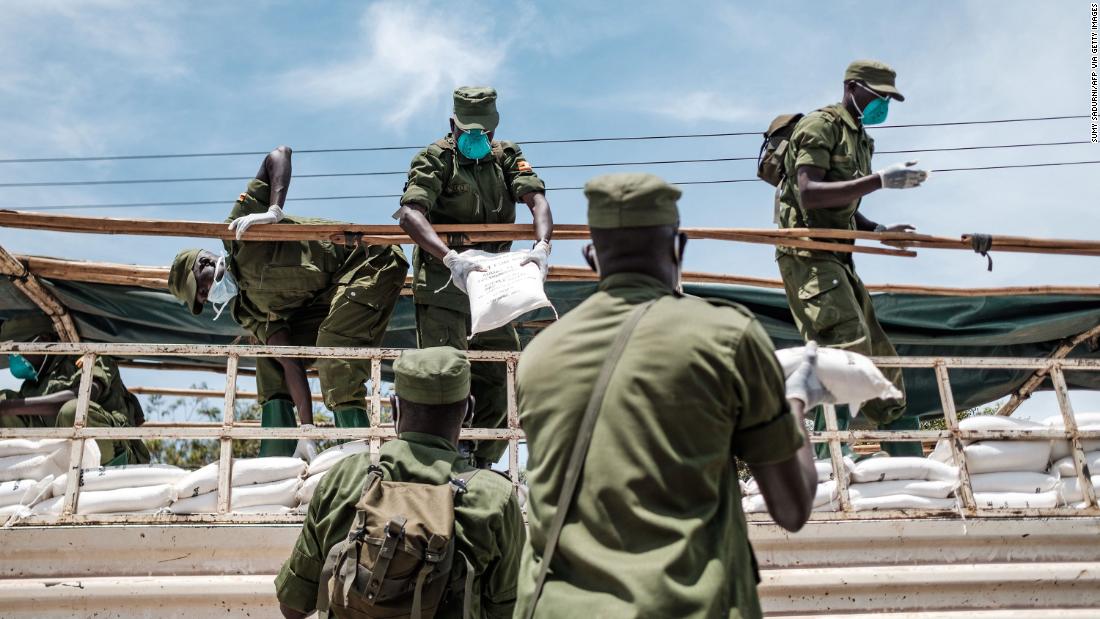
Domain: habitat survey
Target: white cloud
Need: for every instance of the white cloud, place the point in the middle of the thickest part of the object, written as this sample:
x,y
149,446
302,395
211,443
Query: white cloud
x,y
409,60
697,106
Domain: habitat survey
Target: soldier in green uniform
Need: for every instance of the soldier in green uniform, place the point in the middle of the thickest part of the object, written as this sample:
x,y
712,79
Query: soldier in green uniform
x,y
431,401
467,178
828,164
296,293
48,394
655,527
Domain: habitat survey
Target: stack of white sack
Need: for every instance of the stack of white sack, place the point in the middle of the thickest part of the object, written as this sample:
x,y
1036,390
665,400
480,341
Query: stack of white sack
x,y
134,488
1070,490
752,502
16,497
259,485
1061,453
902,483
1006,474
36,459
321,463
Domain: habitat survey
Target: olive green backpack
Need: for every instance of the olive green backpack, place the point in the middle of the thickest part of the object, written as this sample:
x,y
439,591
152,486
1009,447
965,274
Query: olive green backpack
x,y
396,561
769,162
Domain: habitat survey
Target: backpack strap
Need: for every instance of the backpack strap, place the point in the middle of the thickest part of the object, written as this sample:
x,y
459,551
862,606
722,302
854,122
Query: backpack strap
x,y
338,554
468,589
580,447
395,531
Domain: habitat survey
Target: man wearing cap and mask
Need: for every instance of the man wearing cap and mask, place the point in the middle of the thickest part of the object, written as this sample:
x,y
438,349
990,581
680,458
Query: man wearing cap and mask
x,y
828,171
48,394
296,293
467,178
659,393
431,403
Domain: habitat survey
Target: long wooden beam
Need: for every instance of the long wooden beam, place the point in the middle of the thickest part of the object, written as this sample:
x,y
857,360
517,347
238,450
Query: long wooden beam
x,y
1036,379
28,284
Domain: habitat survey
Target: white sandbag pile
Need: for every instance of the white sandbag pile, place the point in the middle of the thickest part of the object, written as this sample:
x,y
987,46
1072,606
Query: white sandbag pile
x,y
322,462
1070,490
850,377
999,456
752,502
503,292
902,483
132,488
1085,422
36,459
255,481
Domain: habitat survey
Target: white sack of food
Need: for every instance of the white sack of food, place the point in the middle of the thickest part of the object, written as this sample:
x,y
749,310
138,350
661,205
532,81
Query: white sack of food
x,y
942,452
1065,466
1007,456
826,493
264,509
119,500
127,476
17,511
1070,488
850,377
890,468
246,471
13,492
34,465
329,457
1015,500
505,291
1034,483
1085,422
309,486
932,489
901,501
282,492
23,446
824,473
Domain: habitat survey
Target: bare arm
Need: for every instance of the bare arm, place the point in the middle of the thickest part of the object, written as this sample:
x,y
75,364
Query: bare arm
x,y
295,373
789,486
43,405
864,224
540,212
276,172
414,221
815,192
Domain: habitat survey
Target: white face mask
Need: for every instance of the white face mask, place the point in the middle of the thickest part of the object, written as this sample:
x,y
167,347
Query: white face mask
x,y
223,290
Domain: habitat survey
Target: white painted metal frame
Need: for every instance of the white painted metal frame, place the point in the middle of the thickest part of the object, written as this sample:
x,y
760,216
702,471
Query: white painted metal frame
x,y
230,430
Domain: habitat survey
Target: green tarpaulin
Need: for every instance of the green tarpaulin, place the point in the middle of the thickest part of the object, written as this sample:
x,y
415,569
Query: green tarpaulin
x,y
924,325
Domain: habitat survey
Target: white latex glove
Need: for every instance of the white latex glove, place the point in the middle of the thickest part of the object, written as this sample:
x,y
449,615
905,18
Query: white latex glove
x,y
540,255
895,228
273,215
306,448
460,267
902,176
803,384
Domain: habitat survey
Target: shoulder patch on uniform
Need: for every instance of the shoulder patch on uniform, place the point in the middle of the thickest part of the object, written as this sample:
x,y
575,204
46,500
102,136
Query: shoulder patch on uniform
x,y
523,165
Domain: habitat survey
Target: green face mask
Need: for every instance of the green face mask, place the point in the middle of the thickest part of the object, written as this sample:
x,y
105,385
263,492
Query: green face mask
x,y
21,368
876,111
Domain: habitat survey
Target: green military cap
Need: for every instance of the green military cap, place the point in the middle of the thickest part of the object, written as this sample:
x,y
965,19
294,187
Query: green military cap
x,y
631,200
877,75
476,108
181,279
25,327
439,375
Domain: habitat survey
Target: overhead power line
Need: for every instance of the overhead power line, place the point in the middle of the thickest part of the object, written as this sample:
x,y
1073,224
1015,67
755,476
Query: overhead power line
x,y
553,141
204,179
397,195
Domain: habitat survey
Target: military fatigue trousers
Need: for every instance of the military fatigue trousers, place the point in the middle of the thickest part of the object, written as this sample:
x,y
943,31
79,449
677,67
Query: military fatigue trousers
x,y
439,326
831,306
113,452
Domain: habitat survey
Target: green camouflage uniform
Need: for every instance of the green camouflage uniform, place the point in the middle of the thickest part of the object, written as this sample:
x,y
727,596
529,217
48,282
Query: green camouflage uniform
x,y
455,190
488,523
828,300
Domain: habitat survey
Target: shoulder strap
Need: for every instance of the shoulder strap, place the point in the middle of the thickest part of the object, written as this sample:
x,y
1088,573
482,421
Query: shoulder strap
x,y
580,448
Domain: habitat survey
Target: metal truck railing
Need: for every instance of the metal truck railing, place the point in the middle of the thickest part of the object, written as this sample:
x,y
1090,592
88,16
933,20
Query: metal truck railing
x,y
230,429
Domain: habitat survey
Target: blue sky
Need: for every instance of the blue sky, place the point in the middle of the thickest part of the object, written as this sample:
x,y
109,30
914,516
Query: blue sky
x,y
122,77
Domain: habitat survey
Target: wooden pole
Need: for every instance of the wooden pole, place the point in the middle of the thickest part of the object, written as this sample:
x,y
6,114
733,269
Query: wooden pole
x,y
1039,376
29,285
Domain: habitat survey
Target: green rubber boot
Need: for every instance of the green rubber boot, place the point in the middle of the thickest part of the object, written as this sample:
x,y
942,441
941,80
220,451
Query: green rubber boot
x,y
351,417
278,414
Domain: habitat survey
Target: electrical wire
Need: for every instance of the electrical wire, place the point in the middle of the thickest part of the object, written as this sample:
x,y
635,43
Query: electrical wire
x,y
528,142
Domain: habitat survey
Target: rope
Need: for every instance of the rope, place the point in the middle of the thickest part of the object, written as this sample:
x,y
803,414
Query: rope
x,y
981,244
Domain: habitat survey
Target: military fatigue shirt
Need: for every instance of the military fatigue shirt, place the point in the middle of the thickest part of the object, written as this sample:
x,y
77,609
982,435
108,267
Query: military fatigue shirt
x,y
488,522
831,140
656,528
456,190
62,372
279,278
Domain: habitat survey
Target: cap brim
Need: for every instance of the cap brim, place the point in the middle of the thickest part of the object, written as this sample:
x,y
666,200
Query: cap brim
x,y
887,89
485,123
191,287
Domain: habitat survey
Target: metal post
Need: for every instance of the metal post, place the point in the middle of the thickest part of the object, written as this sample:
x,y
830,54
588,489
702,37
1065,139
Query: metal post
x,y
375,406
836,454
513,423
225,461
947,401
76,448
1083,479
